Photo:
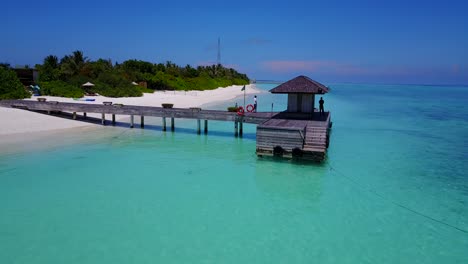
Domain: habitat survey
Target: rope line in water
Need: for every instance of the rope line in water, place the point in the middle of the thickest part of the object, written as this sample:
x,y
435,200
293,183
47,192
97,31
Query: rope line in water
x,y
118,136
396,203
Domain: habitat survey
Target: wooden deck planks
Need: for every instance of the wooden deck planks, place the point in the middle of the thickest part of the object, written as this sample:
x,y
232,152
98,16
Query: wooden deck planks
x,y
253,118
310,136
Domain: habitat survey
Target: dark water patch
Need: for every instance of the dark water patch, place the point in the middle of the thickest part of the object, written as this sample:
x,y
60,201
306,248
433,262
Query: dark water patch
x,y
293,162
465,191
411,100
7,234
408,132
7,171
444,113
185,130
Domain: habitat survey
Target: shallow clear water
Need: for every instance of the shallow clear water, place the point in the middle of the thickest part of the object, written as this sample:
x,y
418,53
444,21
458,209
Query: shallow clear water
x,y
394,189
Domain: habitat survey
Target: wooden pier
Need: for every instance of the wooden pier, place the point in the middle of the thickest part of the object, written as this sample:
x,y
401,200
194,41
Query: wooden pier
x,y
300,132
141,111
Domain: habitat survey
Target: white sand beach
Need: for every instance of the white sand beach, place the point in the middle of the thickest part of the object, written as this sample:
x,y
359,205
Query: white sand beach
x,y
15,121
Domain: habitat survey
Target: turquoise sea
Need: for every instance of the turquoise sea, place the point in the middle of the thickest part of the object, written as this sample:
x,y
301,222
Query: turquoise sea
x,y
394,189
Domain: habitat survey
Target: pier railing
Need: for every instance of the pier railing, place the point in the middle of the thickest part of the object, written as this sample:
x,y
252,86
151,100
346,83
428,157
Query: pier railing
x,y
142,111
188,113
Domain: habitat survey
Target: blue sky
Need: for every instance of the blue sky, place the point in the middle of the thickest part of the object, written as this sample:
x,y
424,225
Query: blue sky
x,y
423,42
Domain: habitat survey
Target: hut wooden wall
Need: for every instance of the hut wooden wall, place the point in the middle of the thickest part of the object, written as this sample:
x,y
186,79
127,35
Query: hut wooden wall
x,y
307,103
301,103
292,103
27,76
288,139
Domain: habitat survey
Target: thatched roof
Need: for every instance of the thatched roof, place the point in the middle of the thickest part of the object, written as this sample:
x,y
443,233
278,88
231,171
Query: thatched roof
x,y
301,84
88,84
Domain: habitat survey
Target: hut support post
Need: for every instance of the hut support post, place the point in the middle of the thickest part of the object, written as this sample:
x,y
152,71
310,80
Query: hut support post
x,y
206,126
103,119
164,124
241,127
236,128
74,115
131,121
142,123
172,124
198,126
113,119
84,115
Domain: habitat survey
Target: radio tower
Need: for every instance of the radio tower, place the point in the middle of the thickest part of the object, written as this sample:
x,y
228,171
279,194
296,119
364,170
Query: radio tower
x,y
219,52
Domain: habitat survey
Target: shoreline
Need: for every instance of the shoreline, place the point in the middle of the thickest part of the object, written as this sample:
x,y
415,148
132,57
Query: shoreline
x,y
19,124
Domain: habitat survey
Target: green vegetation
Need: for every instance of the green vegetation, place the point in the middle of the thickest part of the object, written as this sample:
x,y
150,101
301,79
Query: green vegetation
x,y
60,88
232,108
65,77
10,86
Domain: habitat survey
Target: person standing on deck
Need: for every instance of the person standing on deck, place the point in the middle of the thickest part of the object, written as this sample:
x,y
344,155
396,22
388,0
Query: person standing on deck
x,y
321,106
255,103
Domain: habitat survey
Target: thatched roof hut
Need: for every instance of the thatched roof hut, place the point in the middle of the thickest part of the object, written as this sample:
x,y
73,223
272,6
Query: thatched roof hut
x,y
88,84
300,84
301,93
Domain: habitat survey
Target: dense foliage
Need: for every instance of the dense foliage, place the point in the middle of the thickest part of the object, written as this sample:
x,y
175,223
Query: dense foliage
x,y
60,88
232,108
65,77
10,86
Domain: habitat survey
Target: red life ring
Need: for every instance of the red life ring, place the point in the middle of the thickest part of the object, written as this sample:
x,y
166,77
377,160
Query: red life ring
x,y
249,108
240,110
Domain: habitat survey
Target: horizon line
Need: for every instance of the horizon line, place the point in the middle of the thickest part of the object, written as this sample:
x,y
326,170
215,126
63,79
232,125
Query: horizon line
x,y
369,83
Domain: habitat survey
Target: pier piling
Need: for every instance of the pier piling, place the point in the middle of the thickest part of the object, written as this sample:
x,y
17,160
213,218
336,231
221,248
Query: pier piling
x,y
172,124
103,119
206,126
84,115
74,115
142,123
198,126
241,127
131,121
164,124
236,128
113,119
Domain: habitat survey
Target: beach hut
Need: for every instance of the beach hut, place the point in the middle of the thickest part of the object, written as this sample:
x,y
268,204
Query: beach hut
x,y
300,131
301,93
87,86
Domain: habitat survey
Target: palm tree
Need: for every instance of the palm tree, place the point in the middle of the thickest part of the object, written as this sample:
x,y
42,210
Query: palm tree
x,y
71,65
79,59
5,65
67,66
51,61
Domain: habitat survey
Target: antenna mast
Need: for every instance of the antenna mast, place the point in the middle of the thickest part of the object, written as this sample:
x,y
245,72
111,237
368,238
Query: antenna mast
x,y
219,52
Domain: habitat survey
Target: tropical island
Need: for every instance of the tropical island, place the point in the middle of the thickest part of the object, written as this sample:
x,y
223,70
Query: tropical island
x,y
131,78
